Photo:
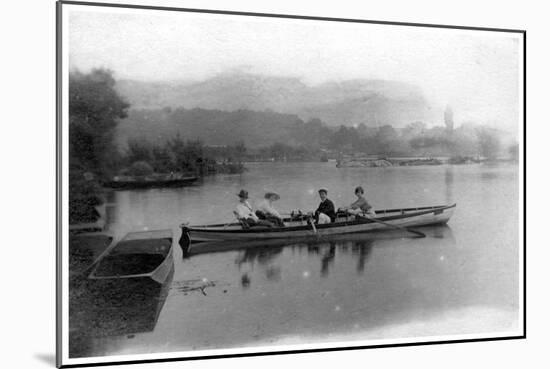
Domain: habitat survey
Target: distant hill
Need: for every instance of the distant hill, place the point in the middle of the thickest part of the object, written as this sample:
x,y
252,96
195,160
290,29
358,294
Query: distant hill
x,y
352,102
217,127
262,129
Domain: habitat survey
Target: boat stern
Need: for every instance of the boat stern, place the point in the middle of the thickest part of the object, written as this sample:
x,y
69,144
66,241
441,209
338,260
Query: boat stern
x,y
185,239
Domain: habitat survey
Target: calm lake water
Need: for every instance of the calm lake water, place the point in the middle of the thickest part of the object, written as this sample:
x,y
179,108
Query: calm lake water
x,y
462,279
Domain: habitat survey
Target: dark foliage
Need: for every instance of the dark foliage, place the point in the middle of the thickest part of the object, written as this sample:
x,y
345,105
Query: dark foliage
x,y
180,156
94,110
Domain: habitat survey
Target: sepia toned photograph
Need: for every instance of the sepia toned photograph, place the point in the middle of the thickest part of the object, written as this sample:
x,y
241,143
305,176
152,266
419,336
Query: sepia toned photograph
x,y
236,183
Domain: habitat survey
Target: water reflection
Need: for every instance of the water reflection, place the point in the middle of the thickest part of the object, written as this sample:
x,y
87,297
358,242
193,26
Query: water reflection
x,y
327,259
261,255
449,183
363,251
245,281
273,273
270,256
101,309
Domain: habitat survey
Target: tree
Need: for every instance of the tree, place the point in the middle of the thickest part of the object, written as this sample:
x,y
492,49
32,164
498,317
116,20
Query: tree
x,y
414,129
343,138
140,168
162,159
240,151
513,151
489,143
94,109
449,122
83,198
386,139
280,151
139,150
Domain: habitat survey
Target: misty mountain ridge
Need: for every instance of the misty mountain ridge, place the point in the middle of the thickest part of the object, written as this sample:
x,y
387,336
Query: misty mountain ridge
x,y
349,102
218,127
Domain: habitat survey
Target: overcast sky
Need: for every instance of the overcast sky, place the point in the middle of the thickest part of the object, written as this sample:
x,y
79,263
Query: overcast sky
x,y
477,73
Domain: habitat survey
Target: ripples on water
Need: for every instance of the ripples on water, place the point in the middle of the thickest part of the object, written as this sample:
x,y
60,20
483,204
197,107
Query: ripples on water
x,y
462,278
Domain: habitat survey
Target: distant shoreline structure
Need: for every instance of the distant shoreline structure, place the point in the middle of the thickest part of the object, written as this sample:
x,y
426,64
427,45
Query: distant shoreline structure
x,y
374,161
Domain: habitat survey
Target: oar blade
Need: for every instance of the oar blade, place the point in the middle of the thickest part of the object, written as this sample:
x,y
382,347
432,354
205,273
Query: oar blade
x,y
418,233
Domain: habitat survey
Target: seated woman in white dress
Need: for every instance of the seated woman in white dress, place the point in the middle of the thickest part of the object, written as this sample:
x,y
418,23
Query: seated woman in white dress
x,y
267,211
245,214
360,206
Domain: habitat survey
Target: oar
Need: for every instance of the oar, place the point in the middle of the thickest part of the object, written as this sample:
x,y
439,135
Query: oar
x,y
420,234
312,223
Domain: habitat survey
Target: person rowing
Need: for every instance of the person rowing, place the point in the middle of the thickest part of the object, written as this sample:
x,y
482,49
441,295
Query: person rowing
x,y
325,212
244,212
267,211
361,206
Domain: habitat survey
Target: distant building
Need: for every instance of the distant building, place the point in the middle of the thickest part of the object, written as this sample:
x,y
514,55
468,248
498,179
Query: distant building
x,y
449,123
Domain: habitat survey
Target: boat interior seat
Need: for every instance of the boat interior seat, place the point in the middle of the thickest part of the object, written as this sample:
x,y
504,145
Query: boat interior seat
x,y
241,221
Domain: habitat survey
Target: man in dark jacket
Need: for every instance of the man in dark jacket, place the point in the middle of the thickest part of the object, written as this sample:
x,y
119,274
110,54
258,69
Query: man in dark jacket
x,y
325,212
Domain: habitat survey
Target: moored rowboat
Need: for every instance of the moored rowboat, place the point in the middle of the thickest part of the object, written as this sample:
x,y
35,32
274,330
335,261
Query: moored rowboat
x,y
139,256
409,217
84,249
129,183
125,291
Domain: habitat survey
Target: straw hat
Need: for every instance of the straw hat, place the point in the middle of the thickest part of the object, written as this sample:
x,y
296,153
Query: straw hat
x,y
273,195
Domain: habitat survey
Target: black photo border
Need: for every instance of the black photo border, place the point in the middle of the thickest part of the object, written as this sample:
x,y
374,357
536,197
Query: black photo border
x,y
59,190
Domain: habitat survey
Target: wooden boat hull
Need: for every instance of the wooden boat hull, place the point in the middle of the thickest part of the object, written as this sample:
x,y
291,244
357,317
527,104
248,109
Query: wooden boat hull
x,y
128,185
400,217
85,249
138,256
204,247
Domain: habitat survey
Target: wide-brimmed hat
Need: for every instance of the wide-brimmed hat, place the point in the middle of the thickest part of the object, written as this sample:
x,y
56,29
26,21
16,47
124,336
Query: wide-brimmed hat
x,y
272,194
243,194
323,190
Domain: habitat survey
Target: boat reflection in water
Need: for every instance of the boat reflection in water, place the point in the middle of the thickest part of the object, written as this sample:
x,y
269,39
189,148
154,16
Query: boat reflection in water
x,y
326,251
265,253
115,308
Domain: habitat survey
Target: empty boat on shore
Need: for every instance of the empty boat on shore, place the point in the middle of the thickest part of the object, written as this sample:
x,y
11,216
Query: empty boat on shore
x,y
139,256
84,249
385,219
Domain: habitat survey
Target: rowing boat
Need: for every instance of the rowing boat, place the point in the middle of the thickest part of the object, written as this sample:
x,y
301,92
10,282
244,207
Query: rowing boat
x,y
125,292
130,183
139,256
407,217
206,247
84,249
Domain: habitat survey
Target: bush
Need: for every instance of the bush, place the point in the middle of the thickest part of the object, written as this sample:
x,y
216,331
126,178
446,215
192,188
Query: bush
x,y
140,168
84,196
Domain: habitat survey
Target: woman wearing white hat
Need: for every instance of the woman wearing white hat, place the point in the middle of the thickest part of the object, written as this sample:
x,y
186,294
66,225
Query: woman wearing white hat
x,y
244,212
267,211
